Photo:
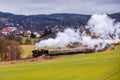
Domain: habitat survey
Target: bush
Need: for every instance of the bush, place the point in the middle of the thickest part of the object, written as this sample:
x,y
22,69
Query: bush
x,y
28,41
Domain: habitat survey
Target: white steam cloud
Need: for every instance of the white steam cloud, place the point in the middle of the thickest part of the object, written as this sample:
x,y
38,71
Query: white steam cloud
x,y
100,32
63,38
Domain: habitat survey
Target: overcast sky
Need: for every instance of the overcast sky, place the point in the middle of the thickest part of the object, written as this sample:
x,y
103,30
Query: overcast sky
x,y
31,7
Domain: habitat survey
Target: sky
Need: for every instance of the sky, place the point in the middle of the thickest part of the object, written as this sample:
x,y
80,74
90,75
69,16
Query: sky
x,y
32,7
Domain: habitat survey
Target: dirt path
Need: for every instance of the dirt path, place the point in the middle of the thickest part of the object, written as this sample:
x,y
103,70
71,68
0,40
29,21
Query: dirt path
x,y
30,60
21,61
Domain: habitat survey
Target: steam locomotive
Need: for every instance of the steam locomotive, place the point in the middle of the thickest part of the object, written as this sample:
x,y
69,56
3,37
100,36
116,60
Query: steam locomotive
x,y
37,53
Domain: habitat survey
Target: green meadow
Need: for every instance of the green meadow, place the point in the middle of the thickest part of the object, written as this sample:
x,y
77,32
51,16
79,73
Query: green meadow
x,y
94,66
27,50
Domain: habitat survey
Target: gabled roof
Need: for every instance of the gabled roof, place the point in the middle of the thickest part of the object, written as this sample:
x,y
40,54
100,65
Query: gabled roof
x,y
8,29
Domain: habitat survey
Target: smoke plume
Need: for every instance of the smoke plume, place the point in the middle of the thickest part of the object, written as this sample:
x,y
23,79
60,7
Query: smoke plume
x,y
100,32
63,38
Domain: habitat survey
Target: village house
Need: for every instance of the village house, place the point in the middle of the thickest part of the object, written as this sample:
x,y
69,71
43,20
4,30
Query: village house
x,y
27,33
8,30
37,35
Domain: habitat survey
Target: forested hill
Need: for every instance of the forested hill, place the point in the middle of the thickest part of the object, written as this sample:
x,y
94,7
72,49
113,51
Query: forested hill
x,y
39,22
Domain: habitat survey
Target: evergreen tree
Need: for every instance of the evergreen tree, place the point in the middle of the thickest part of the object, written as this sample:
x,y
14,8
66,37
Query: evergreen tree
x,y
33,35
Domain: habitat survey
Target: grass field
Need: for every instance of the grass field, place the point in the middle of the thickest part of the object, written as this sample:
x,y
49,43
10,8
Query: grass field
x,y
27,50
95,66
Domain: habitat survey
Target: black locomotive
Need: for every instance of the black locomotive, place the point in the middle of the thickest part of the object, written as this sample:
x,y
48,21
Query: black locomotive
x,y
37,53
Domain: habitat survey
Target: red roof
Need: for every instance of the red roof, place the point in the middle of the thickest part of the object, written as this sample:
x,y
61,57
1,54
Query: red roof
x,y
8,29
26,33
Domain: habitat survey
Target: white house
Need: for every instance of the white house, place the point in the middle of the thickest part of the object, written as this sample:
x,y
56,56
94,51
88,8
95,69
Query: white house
x,y
8,30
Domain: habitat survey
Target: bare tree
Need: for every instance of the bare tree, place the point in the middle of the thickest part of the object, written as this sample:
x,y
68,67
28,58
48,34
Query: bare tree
x,y
11,47
15,50
3,46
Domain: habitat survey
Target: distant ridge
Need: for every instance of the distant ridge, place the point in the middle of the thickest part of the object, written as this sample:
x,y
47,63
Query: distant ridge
x,y
39,22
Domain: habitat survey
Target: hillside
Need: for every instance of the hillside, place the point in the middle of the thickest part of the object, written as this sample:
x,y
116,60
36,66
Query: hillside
x,y
115,16
39,22
95,66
